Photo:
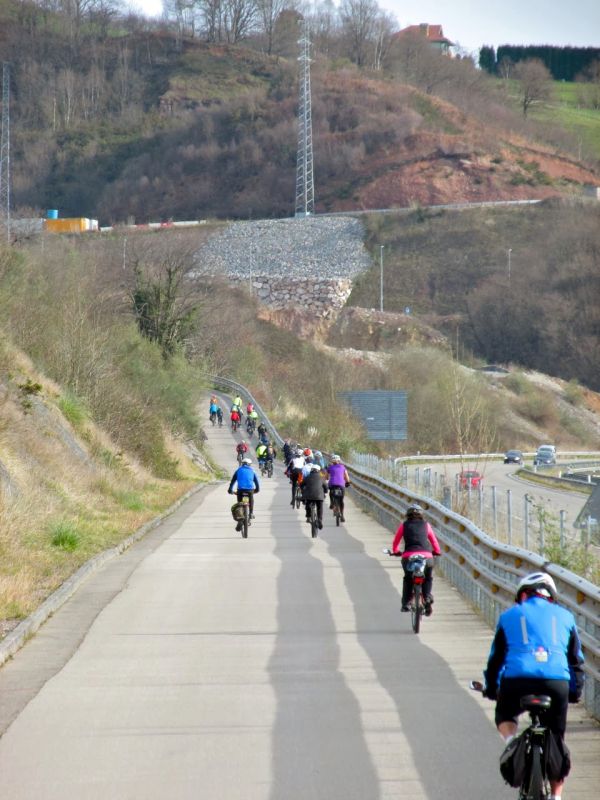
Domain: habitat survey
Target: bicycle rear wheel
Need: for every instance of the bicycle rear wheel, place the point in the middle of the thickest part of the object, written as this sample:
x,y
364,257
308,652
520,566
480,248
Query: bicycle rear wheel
x,y
245,521
313,520
534,788
416,609
269,469
337,512
298,496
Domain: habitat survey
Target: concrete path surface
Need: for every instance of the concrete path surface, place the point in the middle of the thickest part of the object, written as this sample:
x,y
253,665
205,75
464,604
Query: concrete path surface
x,y
201,665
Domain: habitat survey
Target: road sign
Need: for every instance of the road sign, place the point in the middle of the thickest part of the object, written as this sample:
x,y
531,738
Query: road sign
x,y
383,413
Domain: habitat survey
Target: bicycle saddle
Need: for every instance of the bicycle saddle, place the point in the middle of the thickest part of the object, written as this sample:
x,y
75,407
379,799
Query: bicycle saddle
x,y
535,702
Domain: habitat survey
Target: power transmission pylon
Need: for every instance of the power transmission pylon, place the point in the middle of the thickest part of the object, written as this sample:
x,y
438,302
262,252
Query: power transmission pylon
x,y
5,151
305,190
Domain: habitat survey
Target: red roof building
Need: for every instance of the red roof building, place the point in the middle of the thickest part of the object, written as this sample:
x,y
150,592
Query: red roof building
x,y
433,33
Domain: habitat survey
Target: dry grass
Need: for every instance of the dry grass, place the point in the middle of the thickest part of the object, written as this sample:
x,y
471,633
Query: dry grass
x,y
57,485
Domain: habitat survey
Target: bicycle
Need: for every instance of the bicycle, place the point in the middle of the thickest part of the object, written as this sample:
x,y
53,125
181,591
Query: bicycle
x,y
297,495
314,518
336,493
240,456
246,518
250,426
269,467
213,417
415,567
234,425
534,783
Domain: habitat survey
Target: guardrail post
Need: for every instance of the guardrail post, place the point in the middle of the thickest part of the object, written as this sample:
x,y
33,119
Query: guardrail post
x,y
526,522
542,536
509,514
417,477
563,515
481,504
494,510
447,498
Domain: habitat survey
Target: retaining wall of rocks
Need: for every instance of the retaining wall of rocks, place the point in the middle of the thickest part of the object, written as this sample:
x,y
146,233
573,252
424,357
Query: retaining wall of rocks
x,y
323,298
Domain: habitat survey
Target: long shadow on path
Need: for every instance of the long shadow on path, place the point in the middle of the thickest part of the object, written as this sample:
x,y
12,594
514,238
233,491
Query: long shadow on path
x,y
318,744
454,748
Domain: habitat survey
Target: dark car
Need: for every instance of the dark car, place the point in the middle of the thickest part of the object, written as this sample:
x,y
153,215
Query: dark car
x,y
513,457
545,456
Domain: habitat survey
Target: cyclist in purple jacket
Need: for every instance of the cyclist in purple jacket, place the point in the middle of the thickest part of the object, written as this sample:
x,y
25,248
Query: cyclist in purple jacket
x,y
338,478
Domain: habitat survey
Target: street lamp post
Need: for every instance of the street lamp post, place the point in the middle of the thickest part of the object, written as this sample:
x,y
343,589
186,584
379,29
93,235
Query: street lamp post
x,y
381,246
509,252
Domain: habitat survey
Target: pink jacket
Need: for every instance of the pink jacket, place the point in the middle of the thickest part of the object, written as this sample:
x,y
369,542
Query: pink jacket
x,y
435,547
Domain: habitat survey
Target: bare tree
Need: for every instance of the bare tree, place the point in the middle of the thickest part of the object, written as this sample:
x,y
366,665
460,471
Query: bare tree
x,y
535,83
239,18
383,30
268,13
358,19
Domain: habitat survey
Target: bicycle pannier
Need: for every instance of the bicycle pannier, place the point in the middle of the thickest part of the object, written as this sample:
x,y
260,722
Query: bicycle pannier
x,y
513,759
237,511
558,757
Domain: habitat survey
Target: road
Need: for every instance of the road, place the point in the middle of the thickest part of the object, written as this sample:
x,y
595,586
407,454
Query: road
x,y
201,665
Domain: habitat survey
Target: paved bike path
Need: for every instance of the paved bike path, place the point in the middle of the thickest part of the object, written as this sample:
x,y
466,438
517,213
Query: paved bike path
x,y
275,668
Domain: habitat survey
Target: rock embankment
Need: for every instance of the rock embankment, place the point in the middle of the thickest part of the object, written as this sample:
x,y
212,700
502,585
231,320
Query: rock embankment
x,y
306,263
308,247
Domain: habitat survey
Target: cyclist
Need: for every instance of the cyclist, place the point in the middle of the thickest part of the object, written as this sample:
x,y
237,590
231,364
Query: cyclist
x,y
294,471
219,415
261,454
237,401
318,457
247,484
241,449
536,650
271,452
212,410
235,418
419,540
338,478
262,432
249,409
314,489
289,450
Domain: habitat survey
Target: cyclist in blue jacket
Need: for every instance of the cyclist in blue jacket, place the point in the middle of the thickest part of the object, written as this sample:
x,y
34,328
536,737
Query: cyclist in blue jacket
x,y
536,650
247,483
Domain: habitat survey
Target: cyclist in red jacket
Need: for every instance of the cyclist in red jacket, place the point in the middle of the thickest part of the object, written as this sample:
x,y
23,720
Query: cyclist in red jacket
x,y
419,539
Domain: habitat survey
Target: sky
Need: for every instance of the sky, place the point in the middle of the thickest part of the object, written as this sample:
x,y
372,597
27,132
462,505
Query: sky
x,y
472,23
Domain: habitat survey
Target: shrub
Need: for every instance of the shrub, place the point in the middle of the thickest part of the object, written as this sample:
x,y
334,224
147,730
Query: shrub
x,y
64,536
72,409
573,393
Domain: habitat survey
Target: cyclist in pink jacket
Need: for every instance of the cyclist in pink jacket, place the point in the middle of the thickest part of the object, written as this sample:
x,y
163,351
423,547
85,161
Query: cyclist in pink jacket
x,y
419,539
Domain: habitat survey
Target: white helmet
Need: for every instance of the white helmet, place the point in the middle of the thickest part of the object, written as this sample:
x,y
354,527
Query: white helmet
x,y
246,460
335,458
315,468
538,583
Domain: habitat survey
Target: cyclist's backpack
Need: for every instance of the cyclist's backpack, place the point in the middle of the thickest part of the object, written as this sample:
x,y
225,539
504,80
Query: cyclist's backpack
x,y
513,760
237,511
558,757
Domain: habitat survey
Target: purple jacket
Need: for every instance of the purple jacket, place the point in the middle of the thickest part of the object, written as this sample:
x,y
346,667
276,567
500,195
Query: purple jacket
x,y
336,474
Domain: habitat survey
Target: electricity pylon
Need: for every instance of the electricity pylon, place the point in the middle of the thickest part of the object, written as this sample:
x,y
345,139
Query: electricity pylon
x,y
305,190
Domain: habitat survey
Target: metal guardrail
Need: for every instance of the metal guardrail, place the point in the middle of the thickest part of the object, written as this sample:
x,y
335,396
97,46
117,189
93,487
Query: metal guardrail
x,y
485,571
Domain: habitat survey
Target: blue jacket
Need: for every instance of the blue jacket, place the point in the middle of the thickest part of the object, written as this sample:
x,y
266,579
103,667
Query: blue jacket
x,y
536,639
246,479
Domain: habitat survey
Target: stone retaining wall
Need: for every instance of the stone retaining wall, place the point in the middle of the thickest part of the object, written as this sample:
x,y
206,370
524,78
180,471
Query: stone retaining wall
x,y
323,298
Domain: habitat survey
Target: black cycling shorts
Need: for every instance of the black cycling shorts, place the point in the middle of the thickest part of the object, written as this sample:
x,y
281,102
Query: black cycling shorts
x,y
511,690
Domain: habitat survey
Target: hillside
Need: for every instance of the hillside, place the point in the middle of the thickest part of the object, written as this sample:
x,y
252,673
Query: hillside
x,y
142,124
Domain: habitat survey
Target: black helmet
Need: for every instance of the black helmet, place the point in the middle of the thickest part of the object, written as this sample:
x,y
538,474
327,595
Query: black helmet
x,y
414,510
